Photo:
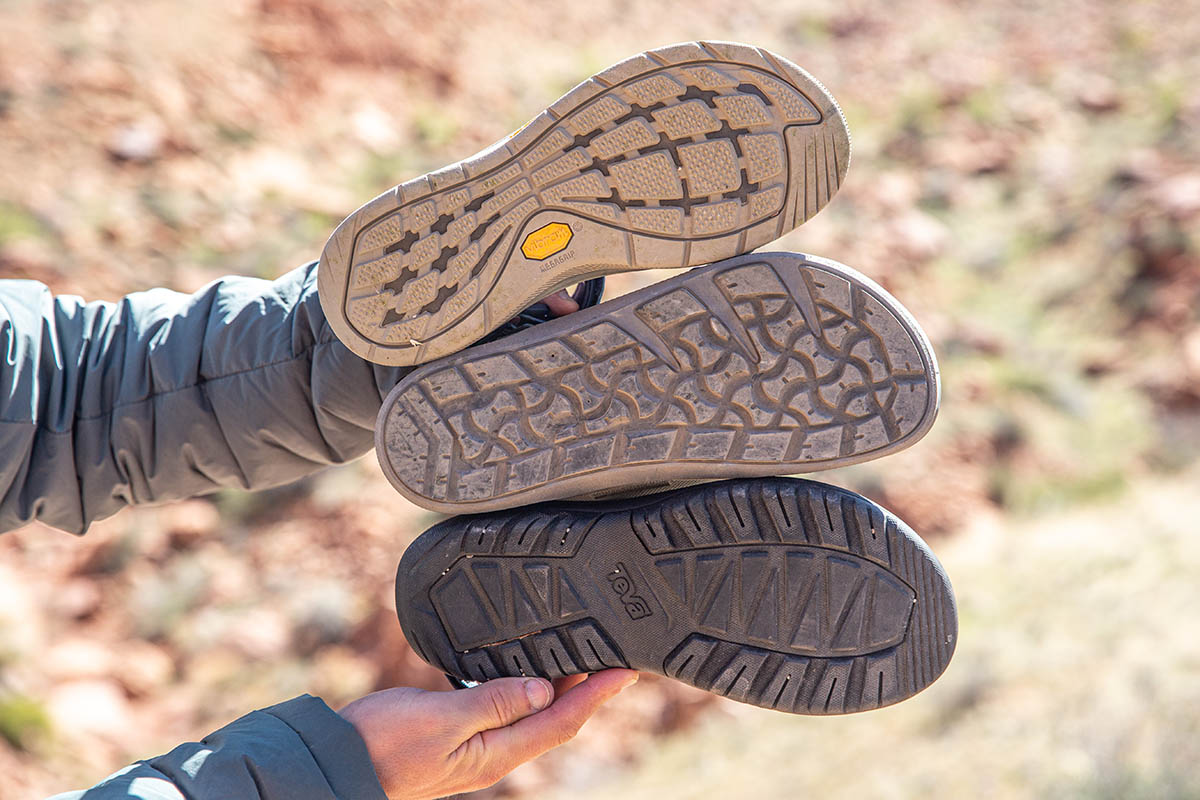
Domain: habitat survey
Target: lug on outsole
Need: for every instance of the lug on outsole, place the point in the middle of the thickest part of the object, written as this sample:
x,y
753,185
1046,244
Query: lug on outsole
x,y
680,156
771,363
778,592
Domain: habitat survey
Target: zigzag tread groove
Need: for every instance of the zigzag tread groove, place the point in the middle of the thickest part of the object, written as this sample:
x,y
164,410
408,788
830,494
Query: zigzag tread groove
x,y
696,584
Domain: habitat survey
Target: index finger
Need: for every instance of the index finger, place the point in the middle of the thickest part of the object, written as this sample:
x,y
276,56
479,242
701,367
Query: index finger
x,y
561,685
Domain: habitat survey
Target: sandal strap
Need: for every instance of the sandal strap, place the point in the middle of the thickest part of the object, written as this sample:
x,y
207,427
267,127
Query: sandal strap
x,y
586,295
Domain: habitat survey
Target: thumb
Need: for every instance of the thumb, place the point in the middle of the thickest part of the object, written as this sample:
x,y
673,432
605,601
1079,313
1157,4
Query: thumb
x,y
497,703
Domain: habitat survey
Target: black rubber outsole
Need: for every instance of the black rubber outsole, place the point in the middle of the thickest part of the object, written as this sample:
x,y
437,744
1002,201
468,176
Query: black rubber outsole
x,y
779,592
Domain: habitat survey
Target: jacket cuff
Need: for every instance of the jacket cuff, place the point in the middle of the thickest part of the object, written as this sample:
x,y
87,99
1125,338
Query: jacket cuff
x,y
334,744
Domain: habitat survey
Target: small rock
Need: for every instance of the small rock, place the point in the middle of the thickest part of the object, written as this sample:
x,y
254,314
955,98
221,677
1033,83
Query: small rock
x,y
34,259
103,555
233,579
1191,351
1179,195
340,675
261,633
212,667
323,615
976,156
373,127
919,236
169,94
978,338
265,170
530,779
77,659
189,522
1098,94
1056,165
846,24
101,74
896,190
91,708
144,667
77,598
138,142
22,630
1141,165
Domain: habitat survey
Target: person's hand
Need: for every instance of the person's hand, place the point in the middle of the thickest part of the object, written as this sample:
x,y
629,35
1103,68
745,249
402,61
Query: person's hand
x,y
433,744
560,303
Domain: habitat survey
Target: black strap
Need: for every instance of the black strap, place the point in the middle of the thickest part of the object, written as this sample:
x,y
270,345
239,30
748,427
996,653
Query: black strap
x,y
587,294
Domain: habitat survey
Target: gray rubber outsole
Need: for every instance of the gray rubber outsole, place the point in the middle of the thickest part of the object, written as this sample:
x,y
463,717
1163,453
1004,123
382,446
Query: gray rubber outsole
x,y
765,364
683,155
779,592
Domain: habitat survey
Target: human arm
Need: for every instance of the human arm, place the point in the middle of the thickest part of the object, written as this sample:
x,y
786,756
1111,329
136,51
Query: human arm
x,y
164,395
298,750
431,744
402,744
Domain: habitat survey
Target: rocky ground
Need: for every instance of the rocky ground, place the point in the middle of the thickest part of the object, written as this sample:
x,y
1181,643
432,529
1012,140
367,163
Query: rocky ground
x,y
1025,179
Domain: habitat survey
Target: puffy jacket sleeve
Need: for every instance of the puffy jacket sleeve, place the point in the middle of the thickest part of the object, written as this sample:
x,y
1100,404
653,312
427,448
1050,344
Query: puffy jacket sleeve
x,y
165,395
298,750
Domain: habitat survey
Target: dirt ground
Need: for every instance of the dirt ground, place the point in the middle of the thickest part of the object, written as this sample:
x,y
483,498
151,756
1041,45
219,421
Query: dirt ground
x,y
1025,179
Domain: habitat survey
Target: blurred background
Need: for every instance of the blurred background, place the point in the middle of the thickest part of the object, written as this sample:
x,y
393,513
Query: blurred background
x,y
1025,179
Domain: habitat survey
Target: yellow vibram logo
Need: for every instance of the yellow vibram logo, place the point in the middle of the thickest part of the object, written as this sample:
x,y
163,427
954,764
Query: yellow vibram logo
x,y
546,241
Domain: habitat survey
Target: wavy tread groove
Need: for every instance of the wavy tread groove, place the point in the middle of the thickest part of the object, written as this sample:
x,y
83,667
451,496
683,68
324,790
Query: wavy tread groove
x,y
772,362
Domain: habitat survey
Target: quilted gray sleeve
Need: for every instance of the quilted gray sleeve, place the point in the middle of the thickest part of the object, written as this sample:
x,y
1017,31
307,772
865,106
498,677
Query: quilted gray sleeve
x,y
165,395
298,750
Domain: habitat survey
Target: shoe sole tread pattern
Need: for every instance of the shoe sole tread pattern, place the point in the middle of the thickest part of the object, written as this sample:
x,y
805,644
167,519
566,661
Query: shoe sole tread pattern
x,y
777,592
680,156
767,364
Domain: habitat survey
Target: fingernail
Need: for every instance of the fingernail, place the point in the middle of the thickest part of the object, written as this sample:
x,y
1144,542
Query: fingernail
x,y
538,693
631,681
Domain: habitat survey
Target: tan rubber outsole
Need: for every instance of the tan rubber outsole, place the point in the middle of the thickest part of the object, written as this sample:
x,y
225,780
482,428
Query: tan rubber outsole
x,y
765,364
680,156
